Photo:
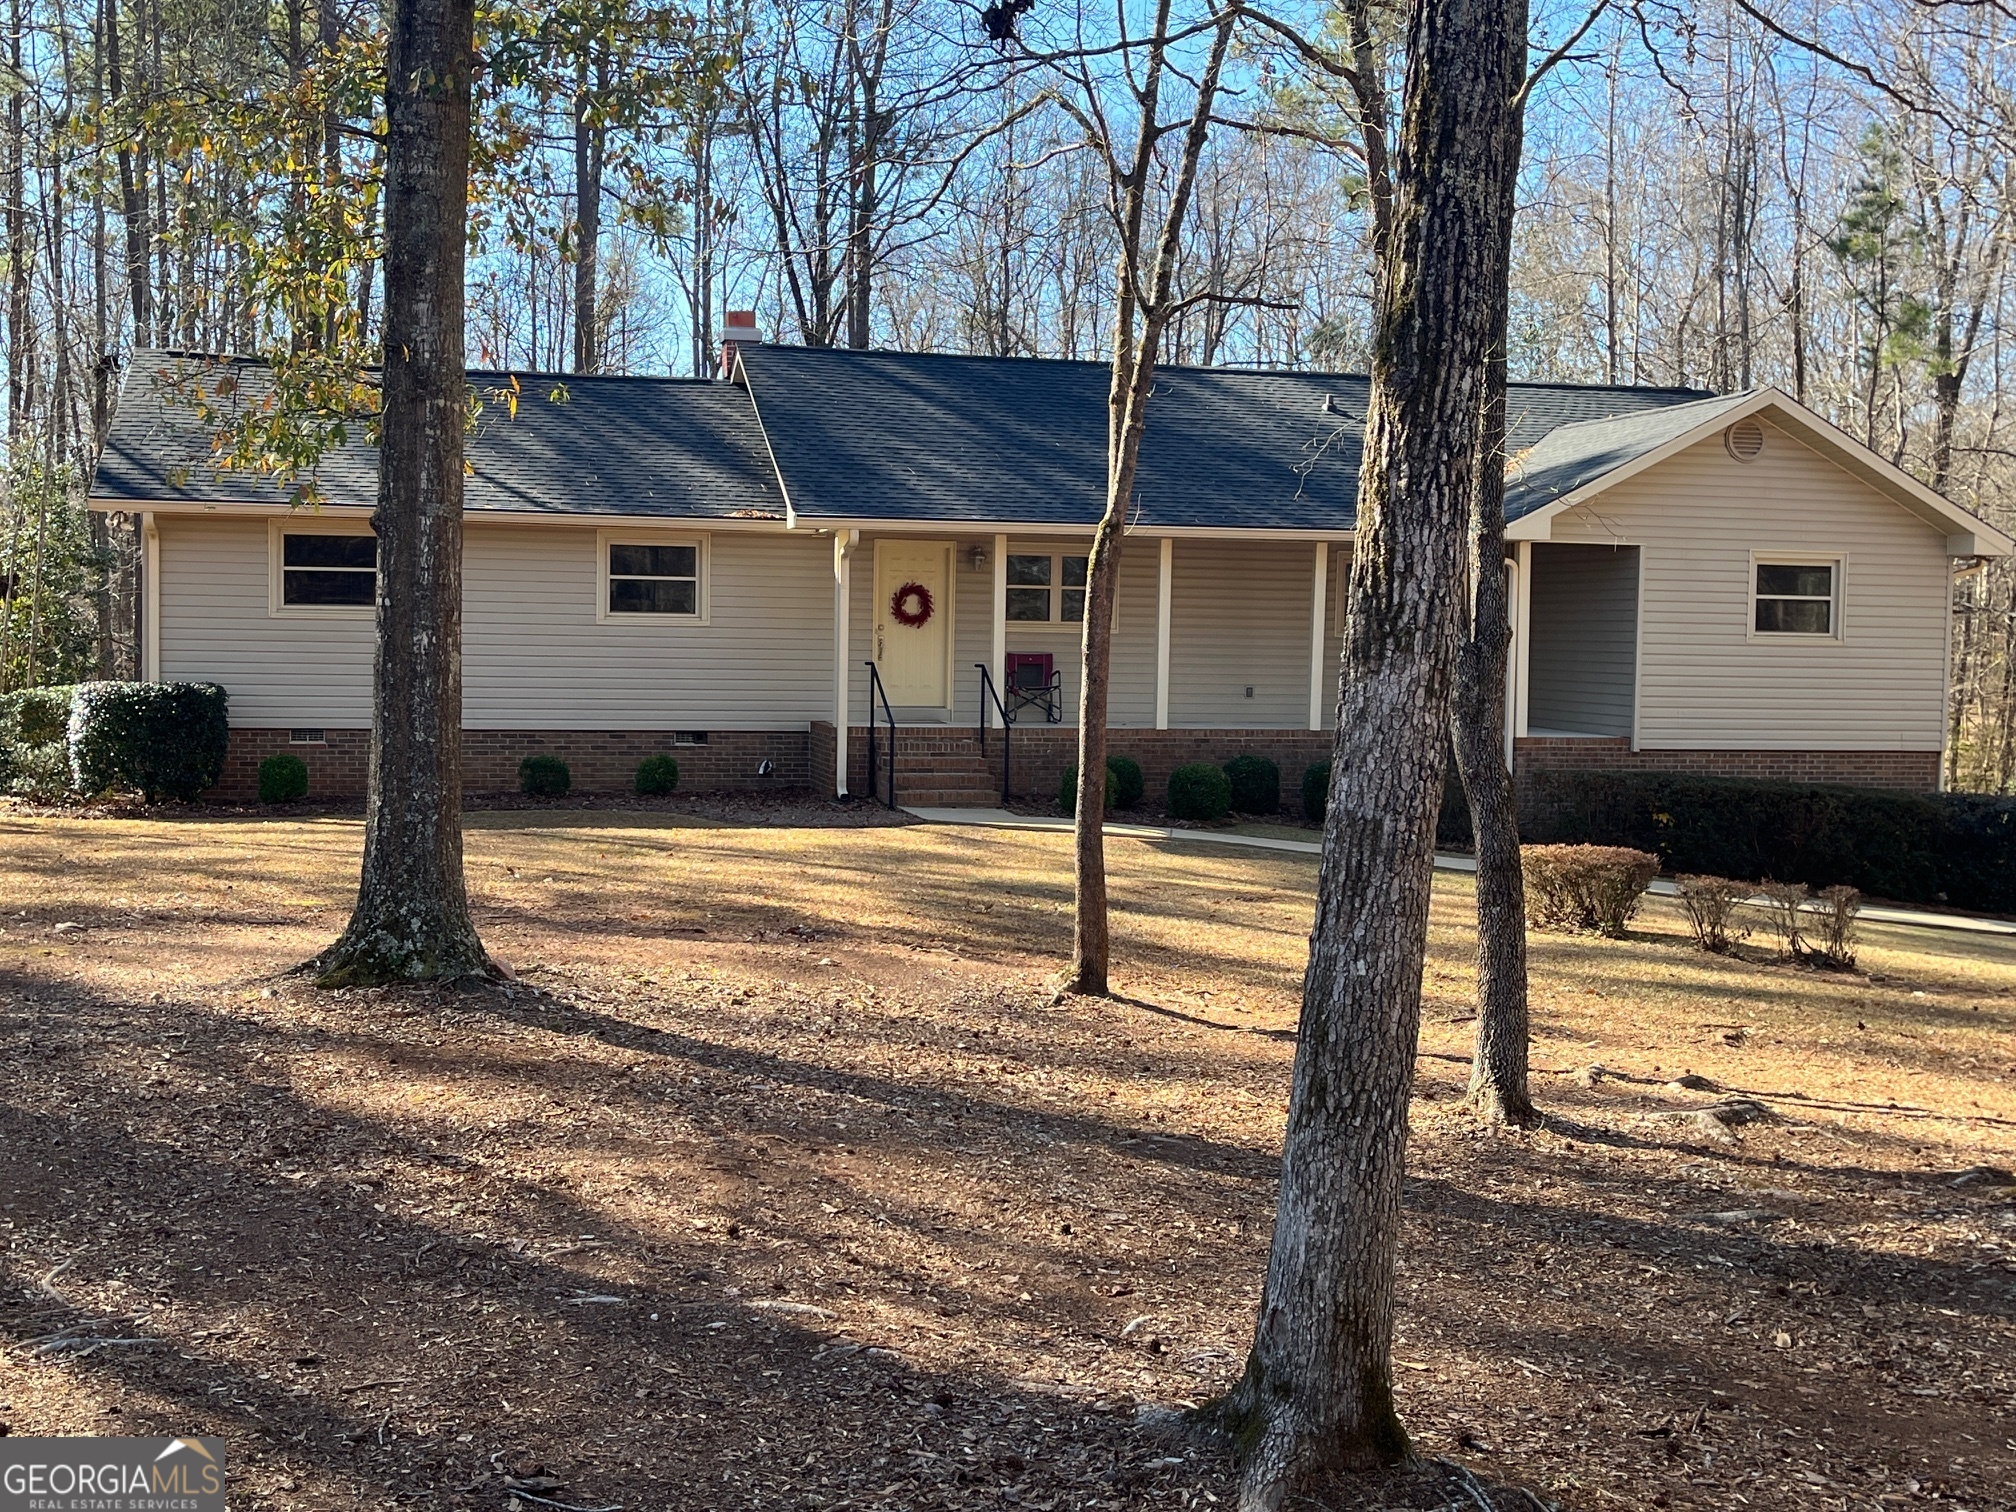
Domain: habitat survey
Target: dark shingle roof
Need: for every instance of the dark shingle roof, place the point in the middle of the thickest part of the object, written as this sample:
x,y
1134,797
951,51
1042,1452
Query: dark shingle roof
x,y
886,435
892,436
681,448
1571,455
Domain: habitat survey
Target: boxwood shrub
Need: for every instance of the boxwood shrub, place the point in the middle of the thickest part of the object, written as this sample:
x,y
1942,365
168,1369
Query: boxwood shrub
x,y
1952,848
1256,784
1200,792
544,776
656,776
1129,786
283,779
1316,791
162,740
1067,788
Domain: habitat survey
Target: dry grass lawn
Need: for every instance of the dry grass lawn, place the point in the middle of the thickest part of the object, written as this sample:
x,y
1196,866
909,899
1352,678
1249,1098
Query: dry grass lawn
x,y
779,1184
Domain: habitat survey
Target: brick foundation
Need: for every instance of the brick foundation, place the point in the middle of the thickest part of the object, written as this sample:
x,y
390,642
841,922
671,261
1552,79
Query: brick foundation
x,y
599,761
1909,771
1041,752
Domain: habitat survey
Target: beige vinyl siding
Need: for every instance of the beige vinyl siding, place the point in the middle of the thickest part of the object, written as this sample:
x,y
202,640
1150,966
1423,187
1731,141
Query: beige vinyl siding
x,y
534,655
1584,624
1240,615
215,627
1704,681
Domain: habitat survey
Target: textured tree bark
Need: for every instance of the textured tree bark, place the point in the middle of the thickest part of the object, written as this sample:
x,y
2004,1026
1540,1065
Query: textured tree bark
x,y
1499,1087
1317,1395
412,916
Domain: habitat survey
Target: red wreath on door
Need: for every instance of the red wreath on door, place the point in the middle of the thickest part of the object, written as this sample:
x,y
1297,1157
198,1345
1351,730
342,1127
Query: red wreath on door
x,y
911,605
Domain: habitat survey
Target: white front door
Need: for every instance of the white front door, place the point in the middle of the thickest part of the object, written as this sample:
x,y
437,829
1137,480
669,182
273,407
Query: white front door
x,y
913,615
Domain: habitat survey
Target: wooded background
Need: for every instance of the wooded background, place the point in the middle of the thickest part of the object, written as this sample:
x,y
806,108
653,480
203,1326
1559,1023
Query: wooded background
x,y
1723,196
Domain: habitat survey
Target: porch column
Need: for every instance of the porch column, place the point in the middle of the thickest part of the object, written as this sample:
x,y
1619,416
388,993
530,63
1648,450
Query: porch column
x,y
997,668
1317,606
844,542
150,599
1522,642
1163,572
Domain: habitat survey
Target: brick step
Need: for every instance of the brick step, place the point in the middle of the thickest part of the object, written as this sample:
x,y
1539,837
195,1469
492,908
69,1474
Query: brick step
x,y
943,767
948,797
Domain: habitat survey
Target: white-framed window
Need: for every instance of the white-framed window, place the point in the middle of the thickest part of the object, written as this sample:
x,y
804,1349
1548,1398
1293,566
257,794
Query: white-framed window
x,y
1046,587
644,577
322,568
1796,595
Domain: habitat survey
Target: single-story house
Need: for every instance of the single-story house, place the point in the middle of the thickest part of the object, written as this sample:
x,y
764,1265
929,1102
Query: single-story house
x,y
749,571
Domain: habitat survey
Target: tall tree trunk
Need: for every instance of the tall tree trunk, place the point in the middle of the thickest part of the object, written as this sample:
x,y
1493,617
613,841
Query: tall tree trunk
x,y
19,344
412,916
591,138
1499,1087
1317,1395
1146,293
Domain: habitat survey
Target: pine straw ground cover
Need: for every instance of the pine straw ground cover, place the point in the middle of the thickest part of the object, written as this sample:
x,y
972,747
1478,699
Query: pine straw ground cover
x,y
779,1184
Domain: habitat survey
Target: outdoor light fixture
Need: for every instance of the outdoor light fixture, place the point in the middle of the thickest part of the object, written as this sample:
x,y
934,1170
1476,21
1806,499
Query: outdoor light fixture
x,y
977,556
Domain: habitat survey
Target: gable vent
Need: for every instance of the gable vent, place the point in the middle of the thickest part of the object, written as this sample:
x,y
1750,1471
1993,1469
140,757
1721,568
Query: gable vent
x,y
1744,440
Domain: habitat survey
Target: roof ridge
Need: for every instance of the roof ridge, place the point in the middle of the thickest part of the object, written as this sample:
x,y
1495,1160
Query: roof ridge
x,y
1244,370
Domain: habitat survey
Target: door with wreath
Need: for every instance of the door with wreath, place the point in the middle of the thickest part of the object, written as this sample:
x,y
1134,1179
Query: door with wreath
x,y
913,619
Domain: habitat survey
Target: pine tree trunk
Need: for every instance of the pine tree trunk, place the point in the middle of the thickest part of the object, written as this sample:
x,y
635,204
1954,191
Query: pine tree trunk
x,y
412,917
1317,1395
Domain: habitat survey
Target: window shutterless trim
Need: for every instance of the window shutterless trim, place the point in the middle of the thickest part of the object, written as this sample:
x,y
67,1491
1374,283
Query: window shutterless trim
x,y
1837,618
277,530
1054,590
702,565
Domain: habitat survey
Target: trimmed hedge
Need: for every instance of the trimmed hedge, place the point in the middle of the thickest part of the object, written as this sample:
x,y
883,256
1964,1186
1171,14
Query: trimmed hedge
x,y
1952,848
163,740
283,779
1067,788
544,776
657,776
1200,792
1316,791
1129,786
1256,784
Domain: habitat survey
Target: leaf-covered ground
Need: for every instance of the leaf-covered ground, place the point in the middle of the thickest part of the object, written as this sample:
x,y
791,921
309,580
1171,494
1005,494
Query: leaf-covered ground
x,y
778,1183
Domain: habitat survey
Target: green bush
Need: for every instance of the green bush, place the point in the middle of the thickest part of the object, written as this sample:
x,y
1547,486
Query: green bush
x,y
1256,784
283,779
544,776
1129,786
162,740
1316,791
35,742
1953,848
1067,788
1200,792
656,776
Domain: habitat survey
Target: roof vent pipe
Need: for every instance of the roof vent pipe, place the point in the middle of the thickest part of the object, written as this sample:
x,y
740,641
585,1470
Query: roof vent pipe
x,y
740,326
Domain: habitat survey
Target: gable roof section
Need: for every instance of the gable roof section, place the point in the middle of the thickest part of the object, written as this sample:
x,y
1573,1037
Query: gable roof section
x,y
896,437
1578,462
684,449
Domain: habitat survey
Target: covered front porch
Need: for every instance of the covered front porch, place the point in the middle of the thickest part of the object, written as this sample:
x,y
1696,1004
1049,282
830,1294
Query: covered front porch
x,y
1212,633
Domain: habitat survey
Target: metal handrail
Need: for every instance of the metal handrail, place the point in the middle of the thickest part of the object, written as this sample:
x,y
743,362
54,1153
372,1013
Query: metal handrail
x,y
988,695
877,694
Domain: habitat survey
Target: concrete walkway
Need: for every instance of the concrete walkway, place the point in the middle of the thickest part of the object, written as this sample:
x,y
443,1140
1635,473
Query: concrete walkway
x,y
997,818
